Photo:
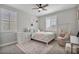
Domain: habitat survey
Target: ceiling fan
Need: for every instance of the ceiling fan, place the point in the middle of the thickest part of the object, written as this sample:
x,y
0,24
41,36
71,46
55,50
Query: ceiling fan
x,y
41,7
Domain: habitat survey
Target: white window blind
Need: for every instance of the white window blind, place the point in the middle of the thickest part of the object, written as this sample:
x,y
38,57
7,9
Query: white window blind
x,y
8,20
51,21
47,23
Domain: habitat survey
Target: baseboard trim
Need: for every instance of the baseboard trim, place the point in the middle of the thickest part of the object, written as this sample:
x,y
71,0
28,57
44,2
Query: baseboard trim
x,y
6,44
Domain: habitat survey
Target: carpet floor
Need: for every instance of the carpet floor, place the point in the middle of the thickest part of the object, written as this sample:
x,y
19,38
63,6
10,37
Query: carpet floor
x,y
34,47
10,49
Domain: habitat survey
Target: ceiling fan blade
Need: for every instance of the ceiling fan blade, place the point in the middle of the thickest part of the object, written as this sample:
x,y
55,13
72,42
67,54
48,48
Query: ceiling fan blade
x,y
35,8
44,9
38,5
45,5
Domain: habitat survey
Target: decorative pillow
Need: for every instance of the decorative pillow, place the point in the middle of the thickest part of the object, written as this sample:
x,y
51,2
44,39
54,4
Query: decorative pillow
x,y
62,34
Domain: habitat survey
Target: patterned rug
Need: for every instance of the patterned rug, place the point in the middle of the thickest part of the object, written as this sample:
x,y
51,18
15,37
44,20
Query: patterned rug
x,y
34,47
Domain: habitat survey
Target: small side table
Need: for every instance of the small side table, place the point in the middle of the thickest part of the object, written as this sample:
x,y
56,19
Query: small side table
x,y
75,48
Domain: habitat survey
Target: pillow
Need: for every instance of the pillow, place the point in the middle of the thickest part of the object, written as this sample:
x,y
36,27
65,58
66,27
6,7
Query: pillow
x,y
62,34
38,30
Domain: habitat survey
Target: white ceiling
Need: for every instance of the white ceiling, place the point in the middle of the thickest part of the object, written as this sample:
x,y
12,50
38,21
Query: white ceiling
x,y
51,8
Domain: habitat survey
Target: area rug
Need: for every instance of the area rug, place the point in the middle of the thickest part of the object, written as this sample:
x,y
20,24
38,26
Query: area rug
x,y
34,47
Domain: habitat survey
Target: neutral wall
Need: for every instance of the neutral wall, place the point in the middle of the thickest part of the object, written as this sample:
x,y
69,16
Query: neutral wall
x,y
42,23
66,20
78,25
25,20
78,18
7,37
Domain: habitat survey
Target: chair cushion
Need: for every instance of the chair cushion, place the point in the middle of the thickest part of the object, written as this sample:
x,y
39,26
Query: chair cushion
x,y
74,40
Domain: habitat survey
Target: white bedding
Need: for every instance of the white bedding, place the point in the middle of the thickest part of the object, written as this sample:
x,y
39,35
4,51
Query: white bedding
x,y
44,36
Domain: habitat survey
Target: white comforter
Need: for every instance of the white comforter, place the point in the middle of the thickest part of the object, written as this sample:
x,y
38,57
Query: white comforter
x,y
43,36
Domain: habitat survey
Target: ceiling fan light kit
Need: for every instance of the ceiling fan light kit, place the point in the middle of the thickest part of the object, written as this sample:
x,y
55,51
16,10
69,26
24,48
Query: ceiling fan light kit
x,y
41,7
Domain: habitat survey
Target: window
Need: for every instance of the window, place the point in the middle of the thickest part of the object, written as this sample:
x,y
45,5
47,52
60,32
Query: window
x,y
7,20
51,21
47,23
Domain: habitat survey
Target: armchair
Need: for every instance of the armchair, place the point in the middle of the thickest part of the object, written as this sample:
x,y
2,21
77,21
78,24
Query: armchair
x,y
62,38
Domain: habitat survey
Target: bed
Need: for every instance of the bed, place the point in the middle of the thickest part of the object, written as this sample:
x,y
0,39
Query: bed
x,y
45,37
